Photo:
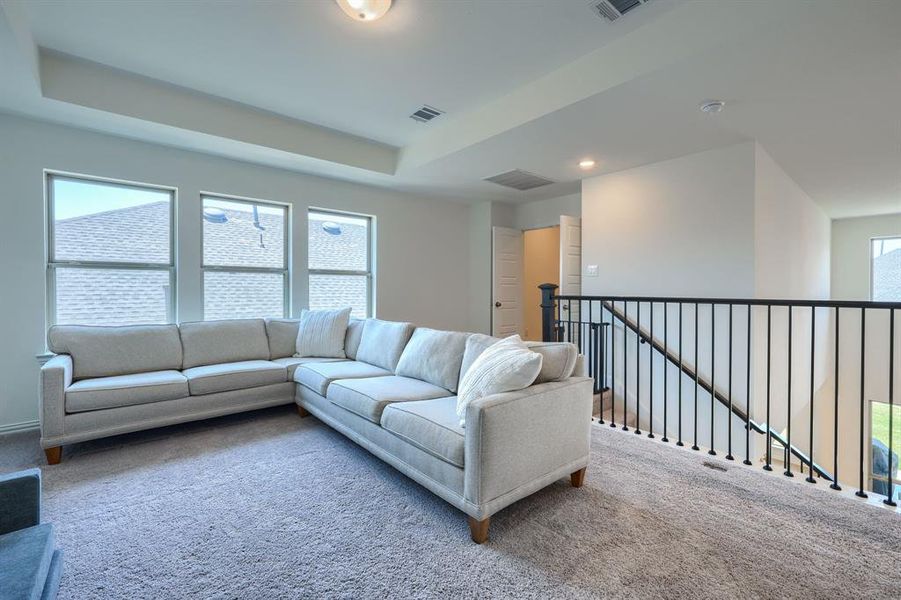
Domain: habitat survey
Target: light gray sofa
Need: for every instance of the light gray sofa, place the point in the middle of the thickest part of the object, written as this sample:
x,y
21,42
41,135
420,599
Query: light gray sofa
x,y
393,394
106,381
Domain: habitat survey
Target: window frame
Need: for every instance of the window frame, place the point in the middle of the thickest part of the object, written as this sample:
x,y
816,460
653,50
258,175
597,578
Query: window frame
x,y
871,475
369,273
285,271
873,258
52,265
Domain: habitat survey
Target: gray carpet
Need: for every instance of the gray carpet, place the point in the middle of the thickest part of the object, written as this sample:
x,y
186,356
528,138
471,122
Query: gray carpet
x,y
266,505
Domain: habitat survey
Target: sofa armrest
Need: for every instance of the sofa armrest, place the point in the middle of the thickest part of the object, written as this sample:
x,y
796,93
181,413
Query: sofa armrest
x,y
516,438
56,376
20,500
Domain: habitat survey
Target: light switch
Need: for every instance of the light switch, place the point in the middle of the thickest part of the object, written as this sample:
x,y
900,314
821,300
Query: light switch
x,y
591,270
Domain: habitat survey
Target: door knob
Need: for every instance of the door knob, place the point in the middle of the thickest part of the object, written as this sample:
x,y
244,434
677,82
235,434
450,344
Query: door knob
x,y
497,304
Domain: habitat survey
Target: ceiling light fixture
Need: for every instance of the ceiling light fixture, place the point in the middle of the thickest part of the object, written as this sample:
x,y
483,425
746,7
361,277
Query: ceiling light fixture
x,y
712,107
586,163
364,10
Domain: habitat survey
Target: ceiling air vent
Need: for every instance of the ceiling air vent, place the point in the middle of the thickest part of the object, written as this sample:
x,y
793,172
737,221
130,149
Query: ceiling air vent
x,y
426,113
614,9
519,180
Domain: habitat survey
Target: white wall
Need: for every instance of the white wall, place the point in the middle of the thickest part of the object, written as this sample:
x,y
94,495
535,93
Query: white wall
x,y
546,213
680,227
851,252
422,254
725,223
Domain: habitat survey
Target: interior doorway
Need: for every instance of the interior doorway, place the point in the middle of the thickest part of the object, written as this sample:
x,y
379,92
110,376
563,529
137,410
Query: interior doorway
x,y
541,264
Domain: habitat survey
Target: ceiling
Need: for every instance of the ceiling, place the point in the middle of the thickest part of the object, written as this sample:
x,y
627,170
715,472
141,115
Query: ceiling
x,y
525,84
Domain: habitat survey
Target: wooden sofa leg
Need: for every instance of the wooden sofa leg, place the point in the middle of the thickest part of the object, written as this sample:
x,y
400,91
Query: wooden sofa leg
x,y
302,412
578,478
54,455
479,530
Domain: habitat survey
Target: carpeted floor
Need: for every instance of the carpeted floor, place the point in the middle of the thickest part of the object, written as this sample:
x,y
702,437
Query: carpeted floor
x,y
266,505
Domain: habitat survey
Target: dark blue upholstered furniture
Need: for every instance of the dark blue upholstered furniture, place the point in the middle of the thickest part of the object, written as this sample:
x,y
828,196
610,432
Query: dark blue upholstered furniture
x,y
30,563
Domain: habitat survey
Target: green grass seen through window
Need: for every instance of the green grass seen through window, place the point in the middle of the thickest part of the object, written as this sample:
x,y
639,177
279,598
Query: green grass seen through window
x,y
880,416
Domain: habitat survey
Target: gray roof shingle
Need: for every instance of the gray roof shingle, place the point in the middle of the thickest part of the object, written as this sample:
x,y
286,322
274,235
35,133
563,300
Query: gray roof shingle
x,y
140,235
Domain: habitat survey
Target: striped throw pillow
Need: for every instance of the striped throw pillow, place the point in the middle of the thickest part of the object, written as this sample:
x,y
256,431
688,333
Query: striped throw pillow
x,y
321,333
506,366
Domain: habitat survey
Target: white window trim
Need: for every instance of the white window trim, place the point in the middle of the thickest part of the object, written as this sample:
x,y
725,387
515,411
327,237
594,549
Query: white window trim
x,y
285,270
872,258
52,264
369,273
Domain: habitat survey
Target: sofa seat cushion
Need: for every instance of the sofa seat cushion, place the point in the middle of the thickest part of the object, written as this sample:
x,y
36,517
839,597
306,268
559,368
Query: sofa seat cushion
x,y
239,375
25,556
125,390
369,397
292,362
430,425
318,376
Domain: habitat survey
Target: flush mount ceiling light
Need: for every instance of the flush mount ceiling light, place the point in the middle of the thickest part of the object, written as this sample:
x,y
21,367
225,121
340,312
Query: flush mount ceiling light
x,y
586,163
712,107
364,10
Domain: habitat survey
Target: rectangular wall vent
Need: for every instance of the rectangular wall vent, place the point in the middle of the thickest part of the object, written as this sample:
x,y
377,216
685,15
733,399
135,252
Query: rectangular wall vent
x,y
519,180
614,9
426,113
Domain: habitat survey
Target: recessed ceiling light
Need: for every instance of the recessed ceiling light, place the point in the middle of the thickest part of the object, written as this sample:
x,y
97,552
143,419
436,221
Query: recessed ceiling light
x,y
586,163
712,107
364,10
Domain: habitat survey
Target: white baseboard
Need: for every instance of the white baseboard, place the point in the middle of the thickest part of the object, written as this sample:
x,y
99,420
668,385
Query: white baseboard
x,y
24,426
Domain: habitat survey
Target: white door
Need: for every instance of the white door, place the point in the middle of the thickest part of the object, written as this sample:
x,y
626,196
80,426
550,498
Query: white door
x,y
506,275
570,274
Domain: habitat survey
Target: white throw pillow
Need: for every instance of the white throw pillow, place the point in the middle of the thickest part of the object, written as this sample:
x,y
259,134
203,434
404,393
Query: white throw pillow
x,y
321,333
505,366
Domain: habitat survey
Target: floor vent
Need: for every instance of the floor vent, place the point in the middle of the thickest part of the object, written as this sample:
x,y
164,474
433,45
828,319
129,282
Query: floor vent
x,y
614,9
714,466
426,113
519,180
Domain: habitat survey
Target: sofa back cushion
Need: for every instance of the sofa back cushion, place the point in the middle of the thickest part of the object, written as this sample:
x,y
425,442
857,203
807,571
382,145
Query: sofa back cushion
x,y
282,334
383,342
214,342
109,351
559,358
434,356
353,337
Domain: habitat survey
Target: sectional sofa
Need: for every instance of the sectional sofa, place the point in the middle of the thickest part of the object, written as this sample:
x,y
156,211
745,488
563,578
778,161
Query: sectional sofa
x,y
393,393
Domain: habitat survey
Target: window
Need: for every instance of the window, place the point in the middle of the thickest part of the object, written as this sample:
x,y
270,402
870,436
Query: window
x,y
245,259
879,444
885,269
110,255
340,262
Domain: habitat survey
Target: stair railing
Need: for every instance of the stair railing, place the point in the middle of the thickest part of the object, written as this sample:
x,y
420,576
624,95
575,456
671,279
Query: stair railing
x,y
593,322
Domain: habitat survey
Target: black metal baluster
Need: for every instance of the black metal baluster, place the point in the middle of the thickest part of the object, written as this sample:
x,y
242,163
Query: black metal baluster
x,y
697,371
612,364
665,368
769,372
863,356
569,321
813,336
890,501
729,417
835,485
711,450
679,429
638,341
625,364
788,441
747,460
592,369
651,374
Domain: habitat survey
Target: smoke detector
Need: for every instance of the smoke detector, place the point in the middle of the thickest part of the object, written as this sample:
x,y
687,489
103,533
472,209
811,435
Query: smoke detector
x,y
712,107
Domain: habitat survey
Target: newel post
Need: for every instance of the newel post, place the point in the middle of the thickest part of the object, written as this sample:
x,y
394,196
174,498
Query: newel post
x,y
548,329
